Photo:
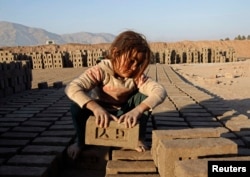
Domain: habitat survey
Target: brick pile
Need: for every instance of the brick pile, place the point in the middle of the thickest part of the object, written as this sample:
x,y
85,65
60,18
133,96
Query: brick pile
x,y
15,77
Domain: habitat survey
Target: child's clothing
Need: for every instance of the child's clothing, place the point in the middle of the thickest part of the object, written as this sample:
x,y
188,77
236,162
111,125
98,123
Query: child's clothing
x,y
80,116
116,95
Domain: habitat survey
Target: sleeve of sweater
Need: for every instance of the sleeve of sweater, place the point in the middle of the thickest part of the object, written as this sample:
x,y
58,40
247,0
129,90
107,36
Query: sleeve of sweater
x,y
156,92
77,90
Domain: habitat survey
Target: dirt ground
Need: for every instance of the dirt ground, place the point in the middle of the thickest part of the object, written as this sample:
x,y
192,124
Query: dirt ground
x,y
53,75
230,81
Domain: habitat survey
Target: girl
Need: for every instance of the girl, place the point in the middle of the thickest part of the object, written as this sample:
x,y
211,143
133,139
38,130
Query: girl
x,y
115,89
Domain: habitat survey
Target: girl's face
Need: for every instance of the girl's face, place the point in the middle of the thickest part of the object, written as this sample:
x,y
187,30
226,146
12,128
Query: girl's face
x,y
130,65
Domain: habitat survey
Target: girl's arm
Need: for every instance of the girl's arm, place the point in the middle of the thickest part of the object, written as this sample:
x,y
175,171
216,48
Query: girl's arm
x,y
77,90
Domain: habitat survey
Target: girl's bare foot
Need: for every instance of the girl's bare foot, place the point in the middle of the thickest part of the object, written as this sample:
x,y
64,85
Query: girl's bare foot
x,y
74,151
141,147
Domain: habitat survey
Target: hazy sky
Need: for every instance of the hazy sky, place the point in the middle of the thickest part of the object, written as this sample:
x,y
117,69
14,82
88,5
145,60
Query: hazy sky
x,y
158,20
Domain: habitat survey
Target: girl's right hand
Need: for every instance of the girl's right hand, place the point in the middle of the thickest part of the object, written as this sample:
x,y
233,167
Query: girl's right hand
x,y
103,117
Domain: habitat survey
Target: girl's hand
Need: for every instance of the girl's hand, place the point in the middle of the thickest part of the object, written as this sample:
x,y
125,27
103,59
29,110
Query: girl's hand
x,y
102,117
130,118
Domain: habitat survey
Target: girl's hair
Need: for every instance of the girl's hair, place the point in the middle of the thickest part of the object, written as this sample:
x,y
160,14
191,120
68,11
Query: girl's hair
x,y
129,43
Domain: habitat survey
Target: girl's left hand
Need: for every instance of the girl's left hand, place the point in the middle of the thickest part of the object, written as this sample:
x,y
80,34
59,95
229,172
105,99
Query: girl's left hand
x,y
130,118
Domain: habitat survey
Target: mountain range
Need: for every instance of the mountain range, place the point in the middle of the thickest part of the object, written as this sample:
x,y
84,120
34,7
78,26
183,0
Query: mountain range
x,y
13,34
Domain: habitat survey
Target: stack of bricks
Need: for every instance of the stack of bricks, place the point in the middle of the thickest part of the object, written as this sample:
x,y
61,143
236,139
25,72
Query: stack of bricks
x,y
15,77
170,148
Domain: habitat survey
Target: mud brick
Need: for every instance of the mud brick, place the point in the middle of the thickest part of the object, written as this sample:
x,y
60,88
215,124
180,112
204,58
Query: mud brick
x,y
7,151
19,115
9,124
10,119
201,119
31,160
205,124
170,128
17,135
218,111
115,135
58,84
166,105
42,85
2,130
43,150
7,109
167,114
130,155
52,141
186,110
24,100
195,114
199,167
13,102
28,129
31,108
49,114
9,142
66,118
170,151
243,151
61,108
26,112
59,112
37,123
46,119
64,122
239,142
62,127
48,161
232,115
171,123
246,139
175,119
243,132
118,167
229,135
237,124
38,105
64,133
13,105
6,171
159,135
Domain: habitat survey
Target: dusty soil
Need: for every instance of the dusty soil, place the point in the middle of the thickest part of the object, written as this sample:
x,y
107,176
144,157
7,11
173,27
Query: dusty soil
x,y
230,81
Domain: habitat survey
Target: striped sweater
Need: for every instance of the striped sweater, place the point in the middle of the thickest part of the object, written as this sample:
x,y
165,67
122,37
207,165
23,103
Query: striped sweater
x,y
99,83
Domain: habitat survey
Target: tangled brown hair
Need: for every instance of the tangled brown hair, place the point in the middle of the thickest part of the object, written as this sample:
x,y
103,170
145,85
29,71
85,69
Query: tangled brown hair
x,y
129,43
